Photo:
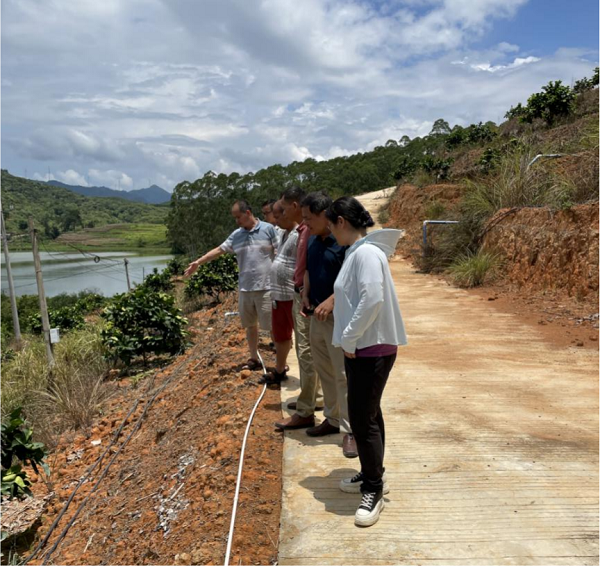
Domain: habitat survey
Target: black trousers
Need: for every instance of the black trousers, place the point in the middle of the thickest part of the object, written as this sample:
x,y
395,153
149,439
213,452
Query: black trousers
x,y
367,378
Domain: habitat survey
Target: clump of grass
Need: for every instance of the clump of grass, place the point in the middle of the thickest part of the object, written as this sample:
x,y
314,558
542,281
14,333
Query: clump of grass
x,y
70,396
22,375
434,210
472,270
519,185
383,216
445,243
579,184
515,185
422,178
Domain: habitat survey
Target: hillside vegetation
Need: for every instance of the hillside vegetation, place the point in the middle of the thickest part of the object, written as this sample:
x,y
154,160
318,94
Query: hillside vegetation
x,y
57,210
525,195
199,217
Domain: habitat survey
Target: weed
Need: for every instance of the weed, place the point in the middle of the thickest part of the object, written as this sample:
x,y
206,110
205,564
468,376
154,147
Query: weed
x,y
435,210
70,397
472,270
384,214
423,178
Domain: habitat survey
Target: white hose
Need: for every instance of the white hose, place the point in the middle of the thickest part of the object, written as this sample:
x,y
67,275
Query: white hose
x,y
240,469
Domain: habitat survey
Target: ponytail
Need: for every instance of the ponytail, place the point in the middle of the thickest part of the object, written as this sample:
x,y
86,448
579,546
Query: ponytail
x,y
350,209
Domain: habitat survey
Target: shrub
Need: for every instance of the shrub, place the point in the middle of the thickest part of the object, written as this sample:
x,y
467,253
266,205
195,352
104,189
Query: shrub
x,y
472,270
158,281
214,278
437,167
18,444
406,166
141,322
586,84
489,159
473,134
90,302
555,101
177,265
65,318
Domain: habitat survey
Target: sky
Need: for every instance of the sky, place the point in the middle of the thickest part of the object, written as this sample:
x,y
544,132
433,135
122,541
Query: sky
x,y
129,93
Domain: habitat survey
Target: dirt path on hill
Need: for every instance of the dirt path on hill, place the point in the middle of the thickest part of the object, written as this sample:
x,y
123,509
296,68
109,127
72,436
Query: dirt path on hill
x,y
492,446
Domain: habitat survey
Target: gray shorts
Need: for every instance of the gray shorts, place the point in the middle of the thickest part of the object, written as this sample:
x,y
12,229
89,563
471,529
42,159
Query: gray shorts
x,y
255,308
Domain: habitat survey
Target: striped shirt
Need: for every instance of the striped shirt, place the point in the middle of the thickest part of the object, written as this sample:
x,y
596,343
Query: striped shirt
x,y
255,250
284,265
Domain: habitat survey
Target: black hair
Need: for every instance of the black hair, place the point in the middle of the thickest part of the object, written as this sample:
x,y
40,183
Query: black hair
x,y
317,202
350,209
268,203
294,194
243,205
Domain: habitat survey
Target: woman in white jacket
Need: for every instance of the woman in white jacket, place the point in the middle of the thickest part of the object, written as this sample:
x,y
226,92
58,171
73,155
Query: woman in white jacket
x,y
369,328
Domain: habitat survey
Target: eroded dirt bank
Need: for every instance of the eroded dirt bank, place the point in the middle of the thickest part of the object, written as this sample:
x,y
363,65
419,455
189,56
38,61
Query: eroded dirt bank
x,y
167,498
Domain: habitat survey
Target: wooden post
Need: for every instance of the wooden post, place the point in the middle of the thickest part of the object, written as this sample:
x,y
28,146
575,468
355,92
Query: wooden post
x,y
41,294
126,261
11,287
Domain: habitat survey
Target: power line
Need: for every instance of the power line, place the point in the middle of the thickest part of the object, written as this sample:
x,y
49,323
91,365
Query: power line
x,y
91,270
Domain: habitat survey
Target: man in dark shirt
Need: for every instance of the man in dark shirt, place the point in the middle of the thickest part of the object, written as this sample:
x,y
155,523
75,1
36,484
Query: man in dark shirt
x,y
324,261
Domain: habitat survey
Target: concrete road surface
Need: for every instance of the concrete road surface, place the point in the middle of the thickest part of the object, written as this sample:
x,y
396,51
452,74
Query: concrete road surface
x,y
492,447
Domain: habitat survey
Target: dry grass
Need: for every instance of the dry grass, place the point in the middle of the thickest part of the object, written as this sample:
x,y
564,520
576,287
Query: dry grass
x,y
69,398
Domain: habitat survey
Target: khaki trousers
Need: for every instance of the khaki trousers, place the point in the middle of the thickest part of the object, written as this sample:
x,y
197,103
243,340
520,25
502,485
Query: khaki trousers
x,y
329,363
310,388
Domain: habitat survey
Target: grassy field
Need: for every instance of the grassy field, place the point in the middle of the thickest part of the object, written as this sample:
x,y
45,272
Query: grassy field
x,y
143,238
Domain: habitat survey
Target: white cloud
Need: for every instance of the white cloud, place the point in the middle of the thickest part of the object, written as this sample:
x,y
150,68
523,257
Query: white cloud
x,y
167,90
71,177
494,68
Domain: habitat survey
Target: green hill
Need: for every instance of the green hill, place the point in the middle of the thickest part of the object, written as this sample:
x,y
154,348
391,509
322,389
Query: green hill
x,y
56,210
559,119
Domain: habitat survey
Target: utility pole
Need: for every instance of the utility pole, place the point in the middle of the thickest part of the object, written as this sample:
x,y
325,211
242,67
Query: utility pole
x,y
11,287
126,261
41,294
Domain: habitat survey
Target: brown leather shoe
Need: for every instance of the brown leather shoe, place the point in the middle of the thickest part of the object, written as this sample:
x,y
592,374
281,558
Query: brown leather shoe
x,y
349,446
324,428
296,422
294,406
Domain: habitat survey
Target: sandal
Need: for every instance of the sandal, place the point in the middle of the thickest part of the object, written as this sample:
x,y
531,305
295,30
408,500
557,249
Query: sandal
x,y
273,377
253,364
273,369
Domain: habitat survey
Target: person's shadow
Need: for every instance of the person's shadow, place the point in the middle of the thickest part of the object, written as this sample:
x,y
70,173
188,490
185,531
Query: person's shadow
x,y
325,489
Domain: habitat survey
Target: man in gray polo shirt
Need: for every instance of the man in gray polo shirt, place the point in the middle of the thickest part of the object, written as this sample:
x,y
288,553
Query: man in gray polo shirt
x,y
255,246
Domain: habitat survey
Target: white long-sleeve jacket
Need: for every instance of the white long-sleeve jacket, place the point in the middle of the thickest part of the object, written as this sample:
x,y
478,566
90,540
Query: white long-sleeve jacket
x,y
366,310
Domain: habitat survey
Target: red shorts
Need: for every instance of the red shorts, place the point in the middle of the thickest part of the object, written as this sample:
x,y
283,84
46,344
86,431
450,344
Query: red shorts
x,y
283,321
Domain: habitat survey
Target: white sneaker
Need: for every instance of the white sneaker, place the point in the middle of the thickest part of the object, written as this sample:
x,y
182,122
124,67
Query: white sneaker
x,y
352,485
370,507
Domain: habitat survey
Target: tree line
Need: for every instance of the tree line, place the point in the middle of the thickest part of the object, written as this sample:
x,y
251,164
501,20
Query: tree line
x,y
199,216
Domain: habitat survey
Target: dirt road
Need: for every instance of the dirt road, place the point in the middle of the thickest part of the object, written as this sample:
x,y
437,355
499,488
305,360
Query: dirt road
x,y
492,447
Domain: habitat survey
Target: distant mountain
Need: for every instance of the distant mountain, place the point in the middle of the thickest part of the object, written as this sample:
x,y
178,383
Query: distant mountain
x,y
153,195
59,209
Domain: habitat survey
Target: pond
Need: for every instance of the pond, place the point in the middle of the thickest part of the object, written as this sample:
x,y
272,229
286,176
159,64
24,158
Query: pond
x,y
103,272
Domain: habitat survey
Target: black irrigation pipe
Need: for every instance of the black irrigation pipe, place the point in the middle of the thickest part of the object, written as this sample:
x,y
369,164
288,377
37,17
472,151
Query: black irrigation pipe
x,y
106,469
83,479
